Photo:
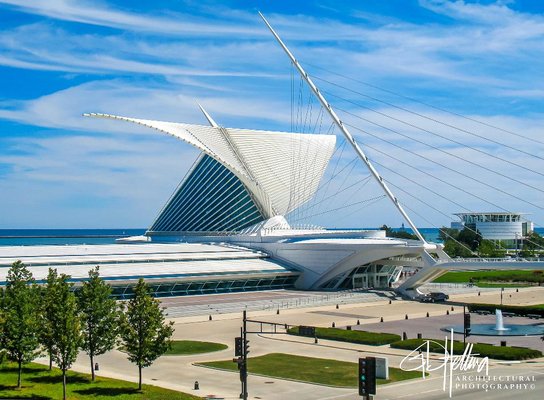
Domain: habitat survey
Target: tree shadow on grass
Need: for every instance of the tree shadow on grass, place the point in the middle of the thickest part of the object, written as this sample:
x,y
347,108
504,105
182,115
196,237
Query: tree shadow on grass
x,y
107,391
32,396
58,379
25,370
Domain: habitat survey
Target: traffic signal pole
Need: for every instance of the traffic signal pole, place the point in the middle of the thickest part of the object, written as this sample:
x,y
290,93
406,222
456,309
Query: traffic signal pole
x,y
243,370
466,326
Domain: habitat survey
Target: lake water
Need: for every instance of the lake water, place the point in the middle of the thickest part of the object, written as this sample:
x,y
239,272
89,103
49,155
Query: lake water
x,y
32,237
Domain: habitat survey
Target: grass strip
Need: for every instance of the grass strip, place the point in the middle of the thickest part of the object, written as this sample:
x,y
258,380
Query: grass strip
x,y
482,349
500,278
309,369
41,384
187,347
352,336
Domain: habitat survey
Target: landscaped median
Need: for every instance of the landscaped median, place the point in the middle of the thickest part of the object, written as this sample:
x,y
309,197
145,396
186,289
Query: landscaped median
x,y
351,336
482,349
535,310
41,384
308,369
189,347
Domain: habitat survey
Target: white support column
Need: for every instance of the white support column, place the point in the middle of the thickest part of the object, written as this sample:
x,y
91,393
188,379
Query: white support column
x,y
346,133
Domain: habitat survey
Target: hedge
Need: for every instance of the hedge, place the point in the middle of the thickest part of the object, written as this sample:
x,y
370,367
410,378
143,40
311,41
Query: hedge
x,y
483,349
352,336
519,310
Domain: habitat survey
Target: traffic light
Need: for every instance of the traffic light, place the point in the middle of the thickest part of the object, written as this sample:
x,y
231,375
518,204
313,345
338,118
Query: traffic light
x,y
467,324
238,348
367,376
246,348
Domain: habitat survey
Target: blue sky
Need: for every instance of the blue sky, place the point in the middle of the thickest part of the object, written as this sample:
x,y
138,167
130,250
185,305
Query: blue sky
x,y
155,60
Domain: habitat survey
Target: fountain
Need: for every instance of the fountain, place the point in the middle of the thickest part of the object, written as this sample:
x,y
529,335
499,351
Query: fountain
x,y
498,328
499,324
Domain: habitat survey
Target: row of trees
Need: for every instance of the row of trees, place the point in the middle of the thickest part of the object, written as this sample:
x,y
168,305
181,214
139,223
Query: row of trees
x,y
468,242
61,321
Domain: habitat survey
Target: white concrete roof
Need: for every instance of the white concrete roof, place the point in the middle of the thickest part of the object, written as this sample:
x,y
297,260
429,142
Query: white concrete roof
x,y
282,170
131,261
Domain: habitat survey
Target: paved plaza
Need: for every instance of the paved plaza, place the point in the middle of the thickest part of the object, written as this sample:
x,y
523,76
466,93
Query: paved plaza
x,y
180,373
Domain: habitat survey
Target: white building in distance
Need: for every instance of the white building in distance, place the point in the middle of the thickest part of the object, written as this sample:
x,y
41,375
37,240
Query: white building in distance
x,y
506,226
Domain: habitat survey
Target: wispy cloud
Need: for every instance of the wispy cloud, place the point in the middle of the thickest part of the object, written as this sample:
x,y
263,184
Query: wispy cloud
x,y
484,60
97,13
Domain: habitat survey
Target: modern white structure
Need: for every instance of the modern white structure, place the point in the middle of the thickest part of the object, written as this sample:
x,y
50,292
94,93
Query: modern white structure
x,y
224,228
504,226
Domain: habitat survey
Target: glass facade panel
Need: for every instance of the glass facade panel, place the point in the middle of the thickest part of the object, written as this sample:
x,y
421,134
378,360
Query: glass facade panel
x,y
165,289
210,199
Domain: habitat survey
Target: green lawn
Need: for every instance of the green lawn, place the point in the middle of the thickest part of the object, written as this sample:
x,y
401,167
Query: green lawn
x,y
186,347
41,384
494,278
309,369
502,285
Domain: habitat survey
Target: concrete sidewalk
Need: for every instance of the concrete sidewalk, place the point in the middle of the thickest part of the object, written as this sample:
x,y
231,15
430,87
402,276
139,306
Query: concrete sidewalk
x,y
180,373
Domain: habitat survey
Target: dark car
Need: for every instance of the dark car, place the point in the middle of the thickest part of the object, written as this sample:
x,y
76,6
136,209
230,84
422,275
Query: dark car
x,y
434,297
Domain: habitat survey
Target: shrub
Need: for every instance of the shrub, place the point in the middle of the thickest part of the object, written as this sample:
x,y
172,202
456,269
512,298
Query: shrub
x,y
482,349
342,335
519,310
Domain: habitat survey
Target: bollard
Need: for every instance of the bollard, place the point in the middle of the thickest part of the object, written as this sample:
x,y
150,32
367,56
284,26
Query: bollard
x,y
452,308
348,327
197,386
427,315
315,339
278,311
381,319
404,336
389,301
358,322
419,336
517,290
503,343
447,312
478,293
285,326
333,325
96,367
210,318
337,307
406,316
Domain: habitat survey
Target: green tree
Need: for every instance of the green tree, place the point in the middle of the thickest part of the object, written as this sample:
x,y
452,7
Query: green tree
x,y
470,237
47,313
389,232
487,248
2,325
144,332
456,249
21,311
531,244
446,234
65,323
99,317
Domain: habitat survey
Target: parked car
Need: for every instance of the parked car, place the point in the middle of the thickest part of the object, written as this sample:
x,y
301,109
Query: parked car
x,y
433,297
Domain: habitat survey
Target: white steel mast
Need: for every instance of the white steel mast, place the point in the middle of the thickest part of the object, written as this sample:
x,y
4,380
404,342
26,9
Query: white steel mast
x,y
346,133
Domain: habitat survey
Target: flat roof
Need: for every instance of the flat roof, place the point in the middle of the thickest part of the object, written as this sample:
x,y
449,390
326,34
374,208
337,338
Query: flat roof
x,y
126,262
492,213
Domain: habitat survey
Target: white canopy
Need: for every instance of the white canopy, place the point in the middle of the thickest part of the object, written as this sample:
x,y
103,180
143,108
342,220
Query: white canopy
x,y
281,170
